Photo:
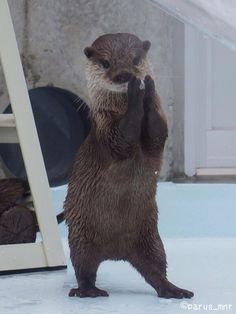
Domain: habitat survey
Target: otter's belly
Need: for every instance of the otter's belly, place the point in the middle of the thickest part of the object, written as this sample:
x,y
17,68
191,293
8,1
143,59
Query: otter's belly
x,y
131,180
108,205
124,199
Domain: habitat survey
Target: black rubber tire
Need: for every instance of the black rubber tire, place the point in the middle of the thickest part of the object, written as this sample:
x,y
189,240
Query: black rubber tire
x,y
62,122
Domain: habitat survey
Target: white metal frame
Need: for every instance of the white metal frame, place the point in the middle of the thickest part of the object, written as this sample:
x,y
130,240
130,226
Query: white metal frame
x,y
49,252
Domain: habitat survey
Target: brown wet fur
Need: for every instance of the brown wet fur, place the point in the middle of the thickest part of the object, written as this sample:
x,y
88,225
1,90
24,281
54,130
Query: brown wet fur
x,y
17,225
110,207
11,191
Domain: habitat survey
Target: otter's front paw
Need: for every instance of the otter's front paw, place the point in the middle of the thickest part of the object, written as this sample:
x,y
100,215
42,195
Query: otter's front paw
x,y
150,93
135,95
168,290
92,292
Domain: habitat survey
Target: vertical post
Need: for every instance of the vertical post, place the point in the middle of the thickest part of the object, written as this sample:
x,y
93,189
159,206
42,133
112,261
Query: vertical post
x,y
28,139
191,98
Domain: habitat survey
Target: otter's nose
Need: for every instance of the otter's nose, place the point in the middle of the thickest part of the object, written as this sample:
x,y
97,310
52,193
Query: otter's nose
x,y
122,77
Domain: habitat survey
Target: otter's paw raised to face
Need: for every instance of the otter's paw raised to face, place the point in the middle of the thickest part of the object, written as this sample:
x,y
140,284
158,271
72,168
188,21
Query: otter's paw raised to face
x,y
167,290
135,94
149,87
150,94
92,292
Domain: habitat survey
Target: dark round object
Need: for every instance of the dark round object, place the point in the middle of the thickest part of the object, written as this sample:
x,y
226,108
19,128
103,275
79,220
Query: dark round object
x,y
62,123
17,225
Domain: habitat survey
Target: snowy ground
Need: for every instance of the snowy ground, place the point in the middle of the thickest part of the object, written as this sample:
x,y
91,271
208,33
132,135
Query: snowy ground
x,y
198,227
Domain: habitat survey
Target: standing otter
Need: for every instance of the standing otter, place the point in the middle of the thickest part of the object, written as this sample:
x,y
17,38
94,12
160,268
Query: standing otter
x,y
110,207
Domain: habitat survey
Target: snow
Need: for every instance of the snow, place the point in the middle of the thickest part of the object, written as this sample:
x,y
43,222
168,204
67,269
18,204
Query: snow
x,y
216,18
197,222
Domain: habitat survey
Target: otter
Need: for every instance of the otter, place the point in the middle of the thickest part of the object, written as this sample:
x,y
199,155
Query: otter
x,y
110,207
11,191
18,223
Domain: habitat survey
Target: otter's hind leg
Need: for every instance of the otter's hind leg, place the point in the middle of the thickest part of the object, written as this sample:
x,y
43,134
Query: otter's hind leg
x,y
150,260
86,261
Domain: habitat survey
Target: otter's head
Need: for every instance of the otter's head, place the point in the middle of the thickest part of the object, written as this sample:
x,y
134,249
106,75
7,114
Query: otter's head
x,y
113,59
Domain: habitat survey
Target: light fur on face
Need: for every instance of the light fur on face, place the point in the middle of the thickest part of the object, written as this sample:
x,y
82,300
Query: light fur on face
x,y
119,50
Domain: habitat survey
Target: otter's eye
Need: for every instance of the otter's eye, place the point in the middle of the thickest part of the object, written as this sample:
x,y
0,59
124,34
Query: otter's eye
x,y
105,64
137,61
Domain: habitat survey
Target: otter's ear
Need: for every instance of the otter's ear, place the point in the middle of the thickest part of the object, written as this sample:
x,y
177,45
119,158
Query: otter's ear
x,y
89,52
146,45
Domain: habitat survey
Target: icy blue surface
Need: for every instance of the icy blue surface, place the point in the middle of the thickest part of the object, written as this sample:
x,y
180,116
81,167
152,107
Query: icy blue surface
x,y
197,210
203,265
197,222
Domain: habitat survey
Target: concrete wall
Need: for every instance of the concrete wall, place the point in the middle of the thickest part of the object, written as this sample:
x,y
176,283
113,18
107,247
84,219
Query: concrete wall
x,y
53,33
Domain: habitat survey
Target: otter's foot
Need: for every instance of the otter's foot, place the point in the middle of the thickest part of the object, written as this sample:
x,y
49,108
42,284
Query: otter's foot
x,y
168,290
92,292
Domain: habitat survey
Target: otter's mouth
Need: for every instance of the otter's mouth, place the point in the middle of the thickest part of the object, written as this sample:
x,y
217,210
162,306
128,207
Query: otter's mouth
x,y
120,81
122,78
115,87
123,86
